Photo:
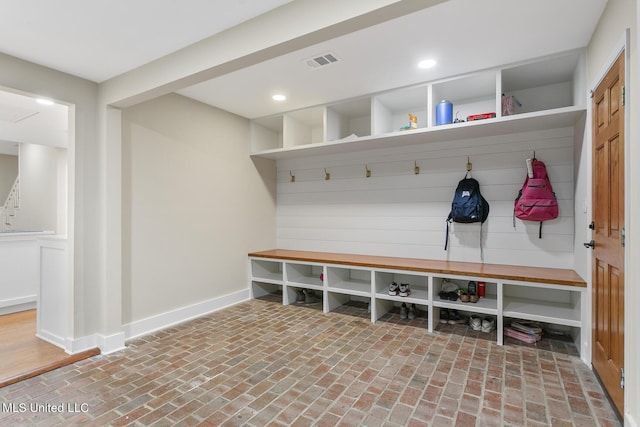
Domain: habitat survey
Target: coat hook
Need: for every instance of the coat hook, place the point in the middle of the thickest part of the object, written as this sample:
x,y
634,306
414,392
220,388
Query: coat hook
x,y
469,165
534,155
292,177
367,171
416,168
327,175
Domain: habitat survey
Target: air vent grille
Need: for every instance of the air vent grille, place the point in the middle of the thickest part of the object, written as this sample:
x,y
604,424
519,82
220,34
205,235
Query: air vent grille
x,y
322,60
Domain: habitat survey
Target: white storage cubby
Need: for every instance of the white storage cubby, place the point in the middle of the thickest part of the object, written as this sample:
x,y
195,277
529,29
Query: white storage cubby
x,y
558,306
545,85
485,305
390,111
349,281
350,118
550,89
306,276
474,94
267,134
304,127
267,271
552,304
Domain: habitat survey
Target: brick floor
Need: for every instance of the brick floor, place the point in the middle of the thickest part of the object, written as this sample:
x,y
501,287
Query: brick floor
x,y
260,363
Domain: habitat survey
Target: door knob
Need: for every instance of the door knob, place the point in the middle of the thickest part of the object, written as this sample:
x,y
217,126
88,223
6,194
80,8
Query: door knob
x,y
591,245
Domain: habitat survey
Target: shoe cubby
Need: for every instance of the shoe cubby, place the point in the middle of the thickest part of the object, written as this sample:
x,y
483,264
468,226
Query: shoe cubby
x,y
487,305
557,306
262,289
267,271
308,276
349,281
390,111
384,302
349,118
473,94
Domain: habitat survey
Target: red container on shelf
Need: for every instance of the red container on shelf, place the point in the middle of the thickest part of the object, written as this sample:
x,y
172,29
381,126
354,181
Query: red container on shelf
x,y
482,287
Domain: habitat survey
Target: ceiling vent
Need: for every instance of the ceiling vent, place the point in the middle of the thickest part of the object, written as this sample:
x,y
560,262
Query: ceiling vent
x,y
322,60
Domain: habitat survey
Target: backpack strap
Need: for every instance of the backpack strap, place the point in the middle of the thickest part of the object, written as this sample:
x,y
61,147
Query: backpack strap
x,y
446,237
540,231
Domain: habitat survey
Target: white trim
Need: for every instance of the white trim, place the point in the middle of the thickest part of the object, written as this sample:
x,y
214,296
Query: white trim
x,y
78,345
18,304
52,339
111,343
171,318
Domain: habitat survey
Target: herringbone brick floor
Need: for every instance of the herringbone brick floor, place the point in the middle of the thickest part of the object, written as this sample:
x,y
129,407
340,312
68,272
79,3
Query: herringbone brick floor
x,y
260,363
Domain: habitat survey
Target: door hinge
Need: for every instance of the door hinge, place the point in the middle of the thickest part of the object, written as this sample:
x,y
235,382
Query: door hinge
x,y
622,96
622,378
623,237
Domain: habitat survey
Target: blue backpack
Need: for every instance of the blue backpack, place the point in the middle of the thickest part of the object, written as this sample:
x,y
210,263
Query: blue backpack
x,y
468,206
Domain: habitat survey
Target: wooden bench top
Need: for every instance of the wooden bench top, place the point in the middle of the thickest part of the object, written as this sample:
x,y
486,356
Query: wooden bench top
x,y
556,276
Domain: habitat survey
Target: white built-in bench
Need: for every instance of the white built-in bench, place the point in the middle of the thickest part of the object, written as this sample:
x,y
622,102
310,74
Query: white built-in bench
x,y
549,295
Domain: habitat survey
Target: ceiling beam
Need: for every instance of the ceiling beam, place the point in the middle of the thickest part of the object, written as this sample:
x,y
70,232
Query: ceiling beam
x,y
293,26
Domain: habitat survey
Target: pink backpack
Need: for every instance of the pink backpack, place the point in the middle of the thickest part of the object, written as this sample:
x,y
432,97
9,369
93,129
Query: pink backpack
x,y
536,200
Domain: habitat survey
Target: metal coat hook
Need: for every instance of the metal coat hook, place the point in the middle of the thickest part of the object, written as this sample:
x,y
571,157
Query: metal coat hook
x,y
327,175
534,155
469,165
416,168
292,177
367,171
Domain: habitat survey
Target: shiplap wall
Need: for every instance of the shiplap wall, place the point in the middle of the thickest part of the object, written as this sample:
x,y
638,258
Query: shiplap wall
x,y
398,213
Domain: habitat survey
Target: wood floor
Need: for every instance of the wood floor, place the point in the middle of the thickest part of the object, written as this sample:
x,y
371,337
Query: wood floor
x,y
24,355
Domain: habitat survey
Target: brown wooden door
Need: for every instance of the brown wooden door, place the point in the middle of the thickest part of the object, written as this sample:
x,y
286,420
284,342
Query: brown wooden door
x,y
608,216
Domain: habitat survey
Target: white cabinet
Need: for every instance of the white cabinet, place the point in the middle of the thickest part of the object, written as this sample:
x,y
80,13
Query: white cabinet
x,y
505,298
550,93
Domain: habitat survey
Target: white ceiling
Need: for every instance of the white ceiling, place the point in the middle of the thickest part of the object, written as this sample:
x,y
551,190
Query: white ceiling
x,y
100,39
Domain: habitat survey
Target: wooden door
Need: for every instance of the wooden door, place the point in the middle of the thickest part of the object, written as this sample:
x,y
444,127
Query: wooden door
x,y
608,233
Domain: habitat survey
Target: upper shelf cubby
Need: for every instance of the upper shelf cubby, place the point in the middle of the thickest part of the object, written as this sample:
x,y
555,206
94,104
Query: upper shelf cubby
x,y
544,85
543,93
473,94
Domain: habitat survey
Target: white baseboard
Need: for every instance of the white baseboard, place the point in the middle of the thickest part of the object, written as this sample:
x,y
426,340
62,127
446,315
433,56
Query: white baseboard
x,y
52,339
16,305
171,318
629,421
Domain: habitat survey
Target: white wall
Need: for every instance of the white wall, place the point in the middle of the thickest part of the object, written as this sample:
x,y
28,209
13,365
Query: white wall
x,y
8,174
194,204
397,213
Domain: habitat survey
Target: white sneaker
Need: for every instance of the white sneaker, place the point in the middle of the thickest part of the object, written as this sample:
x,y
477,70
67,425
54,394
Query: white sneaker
x,y
403,290
475,323
488,324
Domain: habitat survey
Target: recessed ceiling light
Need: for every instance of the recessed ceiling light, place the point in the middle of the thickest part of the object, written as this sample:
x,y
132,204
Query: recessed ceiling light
x,y
278,97
427,63
43,101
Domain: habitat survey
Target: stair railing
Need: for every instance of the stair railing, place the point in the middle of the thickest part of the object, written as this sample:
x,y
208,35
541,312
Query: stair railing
x,y
11,205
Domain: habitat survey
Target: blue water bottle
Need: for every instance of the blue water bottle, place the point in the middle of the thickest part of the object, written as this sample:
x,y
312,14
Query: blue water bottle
x,y
444,113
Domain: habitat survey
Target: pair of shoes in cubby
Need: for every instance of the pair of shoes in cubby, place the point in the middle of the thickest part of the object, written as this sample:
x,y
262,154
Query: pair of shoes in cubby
x,y
452,317
401,289
408,312
307,297
488,324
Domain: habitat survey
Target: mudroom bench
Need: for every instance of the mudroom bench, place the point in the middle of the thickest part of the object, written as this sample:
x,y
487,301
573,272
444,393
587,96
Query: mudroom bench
x,y
548,295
